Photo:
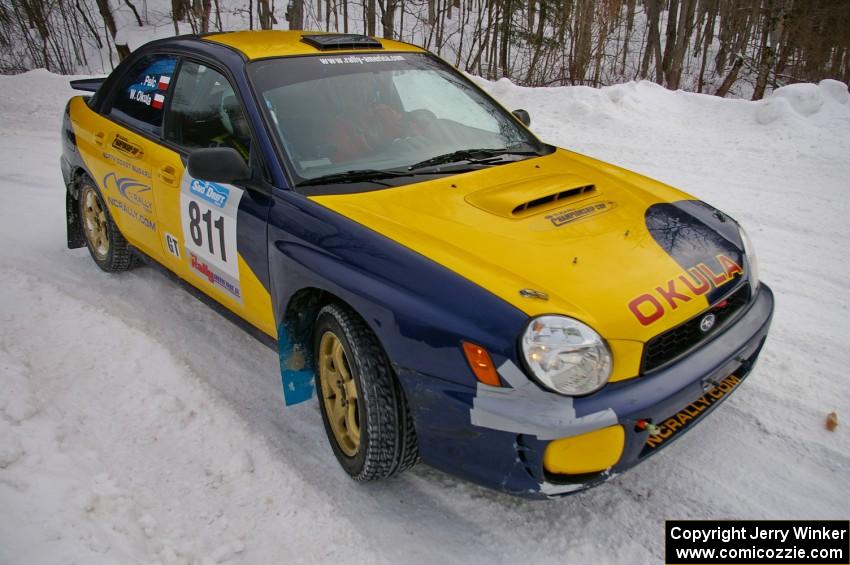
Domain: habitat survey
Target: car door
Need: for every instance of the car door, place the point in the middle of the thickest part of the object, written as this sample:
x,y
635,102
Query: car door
x,y
212,235
121,149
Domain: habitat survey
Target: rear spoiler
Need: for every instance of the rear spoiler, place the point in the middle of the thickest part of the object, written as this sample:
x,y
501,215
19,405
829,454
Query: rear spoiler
x,y
87,84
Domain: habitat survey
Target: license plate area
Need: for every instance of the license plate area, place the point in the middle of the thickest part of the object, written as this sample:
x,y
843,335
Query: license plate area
x,y
672,426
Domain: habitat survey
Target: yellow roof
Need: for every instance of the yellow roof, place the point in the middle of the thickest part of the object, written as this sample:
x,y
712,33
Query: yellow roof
x,y
272,43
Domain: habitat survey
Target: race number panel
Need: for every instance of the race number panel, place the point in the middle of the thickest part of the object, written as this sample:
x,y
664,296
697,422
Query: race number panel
x,y
208,214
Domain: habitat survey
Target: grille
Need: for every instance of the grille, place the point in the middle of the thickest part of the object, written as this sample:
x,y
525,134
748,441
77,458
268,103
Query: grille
x,y
666,347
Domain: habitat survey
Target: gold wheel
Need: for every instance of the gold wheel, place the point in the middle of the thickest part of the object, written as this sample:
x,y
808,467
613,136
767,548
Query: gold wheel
x,y
95,224
339,394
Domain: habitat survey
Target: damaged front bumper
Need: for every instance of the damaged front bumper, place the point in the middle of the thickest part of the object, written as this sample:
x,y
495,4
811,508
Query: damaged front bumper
x,y
497,437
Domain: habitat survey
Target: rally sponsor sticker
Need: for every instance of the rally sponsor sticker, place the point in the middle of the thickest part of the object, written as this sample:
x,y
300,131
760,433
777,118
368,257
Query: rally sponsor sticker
x,y
361,59
682,419
208,213
131,197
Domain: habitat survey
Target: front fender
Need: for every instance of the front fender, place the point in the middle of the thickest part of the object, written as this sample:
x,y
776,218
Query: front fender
x,y
419,310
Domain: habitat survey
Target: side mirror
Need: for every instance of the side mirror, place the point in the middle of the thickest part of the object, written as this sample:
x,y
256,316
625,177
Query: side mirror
x,y
522,116
218,164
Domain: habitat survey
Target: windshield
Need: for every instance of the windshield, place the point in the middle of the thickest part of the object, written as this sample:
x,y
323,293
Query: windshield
x,y
337,115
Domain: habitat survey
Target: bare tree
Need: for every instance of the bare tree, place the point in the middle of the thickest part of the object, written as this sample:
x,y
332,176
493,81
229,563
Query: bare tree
x,y
135,12
295,14
737,47
653,45
370,17
264,14
109,21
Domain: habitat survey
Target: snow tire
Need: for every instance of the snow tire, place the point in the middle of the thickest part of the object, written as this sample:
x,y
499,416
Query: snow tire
x,y
388,443
119,255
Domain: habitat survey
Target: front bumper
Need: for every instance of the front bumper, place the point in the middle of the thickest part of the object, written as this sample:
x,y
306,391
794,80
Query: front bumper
x,y
497,437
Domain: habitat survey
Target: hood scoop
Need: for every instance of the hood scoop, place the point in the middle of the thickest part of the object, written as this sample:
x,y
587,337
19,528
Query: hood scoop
x,y
528,197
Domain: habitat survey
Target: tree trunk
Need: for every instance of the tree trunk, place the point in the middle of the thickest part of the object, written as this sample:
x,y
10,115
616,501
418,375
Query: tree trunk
x,y
630,22
370,17
106,13
264,15
653,42
506,36
670,41
492,66
389,18
684,31
767,57
178,12
604,27
708,36
730,78
296,14
441,25
538,44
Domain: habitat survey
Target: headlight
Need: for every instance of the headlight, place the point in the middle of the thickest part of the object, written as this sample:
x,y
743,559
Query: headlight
x,y
752,262
565,355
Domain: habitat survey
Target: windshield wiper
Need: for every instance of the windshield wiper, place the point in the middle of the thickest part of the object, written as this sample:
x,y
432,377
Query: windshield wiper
x,y
473,156
358,175
482,156
363,175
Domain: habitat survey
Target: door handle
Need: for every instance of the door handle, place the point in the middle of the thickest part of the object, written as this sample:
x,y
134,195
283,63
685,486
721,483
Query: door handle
x,y
99,137
168,174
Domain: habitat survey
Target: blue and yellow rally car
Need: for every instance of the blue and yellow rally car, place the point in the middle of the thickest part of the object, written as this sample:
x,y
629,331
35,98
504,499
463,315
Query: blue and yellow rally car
x,y
454,289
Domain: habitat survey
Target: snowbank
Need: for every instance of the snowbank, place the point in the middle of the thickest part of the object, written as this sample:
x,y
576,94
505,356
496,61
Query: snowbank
x,y
138,426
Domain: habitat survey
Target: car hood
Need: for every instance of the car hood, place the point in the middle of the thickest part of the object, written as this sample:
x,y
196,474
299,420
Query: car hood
x,y
627,255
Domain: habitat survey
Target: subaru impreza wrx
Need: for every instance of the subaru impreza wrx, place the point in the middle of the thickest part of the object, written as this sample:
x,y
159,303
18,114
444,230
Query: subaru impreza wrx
x,y
451,288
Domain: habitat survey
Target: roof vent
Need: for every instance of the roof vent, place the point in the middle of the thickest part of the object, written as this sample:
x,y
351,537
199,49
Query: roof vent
x,y
585,190
339,41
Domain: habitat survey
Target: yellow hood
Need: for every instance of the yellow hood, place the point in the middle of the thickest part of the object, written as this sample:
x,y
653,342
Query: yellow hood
x,y
564,224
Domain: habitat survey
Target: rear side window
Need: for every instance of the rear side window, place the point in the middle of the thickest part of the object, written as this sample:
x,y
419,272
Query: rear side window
x,y
141,95
205,112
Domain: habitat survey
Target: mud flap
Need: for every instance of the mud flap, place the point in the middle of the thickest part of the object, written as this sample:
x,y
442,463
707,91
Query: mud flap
x,y
74,225
296,371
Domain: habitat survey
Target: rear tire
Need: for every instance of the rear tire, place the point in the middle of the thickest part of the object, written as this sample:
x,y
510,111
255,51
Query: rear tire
x,y
107,246
379,440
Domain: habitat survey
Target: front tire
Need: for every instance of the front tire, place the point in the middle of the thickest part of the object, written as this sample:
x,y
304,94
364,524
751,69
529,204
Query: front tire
x,y
364,409
106,245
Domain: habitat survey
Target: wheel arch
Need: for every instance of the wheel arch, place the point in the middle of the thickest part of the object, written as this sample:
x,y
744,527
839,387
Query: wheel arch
x,y
302,309
299,317
78,172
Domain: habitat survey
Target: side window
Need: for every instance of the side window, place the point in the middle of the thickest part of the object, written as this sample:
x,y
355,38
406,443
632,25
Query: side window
x,y
141,95
205,112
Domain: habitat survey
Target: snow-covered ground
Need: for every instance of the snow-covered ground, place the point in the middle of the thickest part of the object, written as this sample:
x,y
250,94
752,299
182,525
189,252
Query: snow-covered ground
x,y
137,426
